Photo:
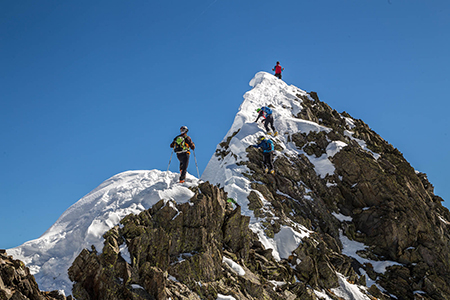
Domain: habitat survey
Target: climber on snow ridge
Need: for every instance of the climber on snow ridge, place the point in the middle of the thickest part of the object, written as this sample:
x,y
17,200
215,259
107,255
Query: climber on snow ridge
x,y
268,148
267,115
182,144
278,69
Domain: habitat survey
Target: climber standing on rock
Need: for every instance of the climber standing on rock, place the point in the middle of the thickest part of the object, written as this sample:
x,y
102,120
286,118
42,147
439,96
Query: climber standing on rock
x,y
182,144
268,148
278,69
266,114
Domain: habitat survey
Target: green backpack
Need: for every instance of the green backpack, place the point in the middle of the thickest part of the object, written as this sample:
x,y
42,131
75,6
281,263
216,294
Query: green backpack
x,y
180,145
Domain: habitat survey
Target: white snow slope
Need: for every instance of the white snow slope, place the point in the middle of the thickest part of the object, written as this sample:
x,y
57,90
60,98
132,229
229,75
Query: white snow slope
x,y
85,222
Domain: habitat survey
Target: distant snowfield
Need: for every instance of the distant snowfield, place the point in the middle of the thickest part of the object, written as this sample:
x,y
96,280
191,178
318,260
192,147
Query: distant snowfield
x,y
84,223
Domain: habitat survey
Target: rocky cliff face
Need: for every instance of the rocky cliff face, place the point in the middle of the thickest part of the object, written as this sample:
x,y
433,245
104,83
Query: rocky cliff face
x,y
197,250
16,282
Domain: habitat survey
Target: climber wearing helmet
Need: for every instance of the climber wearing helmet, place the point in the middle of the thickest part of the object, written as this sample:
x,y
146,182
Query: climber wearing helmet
x,y
266,114
182,144
268,148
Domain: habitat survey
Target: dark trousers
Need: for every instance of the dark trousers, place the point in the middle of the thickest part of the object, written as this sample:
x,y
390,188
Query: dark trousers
x,y
278,75
267,160
183,157
269,121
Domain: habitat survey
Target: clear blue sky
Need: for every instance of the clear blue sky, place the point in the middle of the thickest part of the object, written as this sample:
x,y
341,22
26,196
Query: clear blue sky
x,y
89,89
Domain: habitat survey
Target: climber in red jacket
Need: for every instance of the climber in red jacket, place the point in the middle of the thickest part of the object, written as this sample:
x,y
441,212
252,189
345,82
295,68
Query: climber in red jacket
x,y
278,69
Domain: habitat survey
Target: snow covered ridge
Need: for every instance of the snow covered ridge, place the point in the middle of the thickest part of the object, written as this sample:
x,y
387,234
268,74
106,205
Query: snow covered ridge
x,y
227,170
84,223
269,91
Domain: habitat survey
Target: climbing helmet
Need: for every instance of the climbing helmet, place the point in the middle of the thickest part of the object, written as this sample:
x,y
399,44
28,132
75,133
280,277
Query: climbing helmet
x,y
184,129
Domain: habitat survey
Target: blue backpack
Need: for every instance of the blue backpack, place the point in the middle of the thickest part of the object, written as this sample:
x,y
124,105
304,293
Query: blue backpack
x,y
267,145
267,110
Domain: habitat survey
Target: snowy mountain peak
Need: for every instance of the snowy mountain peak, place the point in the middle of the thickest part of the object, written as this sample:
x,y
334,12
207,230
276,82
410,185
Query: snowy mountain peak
x,y
286,103
228,168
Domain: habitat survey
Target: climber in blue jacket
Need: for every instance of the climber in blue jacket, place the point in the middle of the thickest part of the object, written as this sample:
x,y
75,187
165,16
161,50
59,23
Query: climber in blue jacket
x,y
268,148
266,113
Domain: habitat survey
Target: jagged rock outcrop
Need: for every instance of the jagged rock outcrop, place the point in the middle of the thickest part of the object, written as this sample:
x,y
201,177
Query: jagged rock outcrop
x,y
16,282
183,251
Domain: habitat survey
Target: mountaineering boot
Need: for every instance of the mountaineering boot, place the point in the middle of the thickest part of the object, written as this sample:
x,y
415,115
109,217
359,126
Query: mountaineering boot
x,y
276,133
266,170
181,181
272,171
269,132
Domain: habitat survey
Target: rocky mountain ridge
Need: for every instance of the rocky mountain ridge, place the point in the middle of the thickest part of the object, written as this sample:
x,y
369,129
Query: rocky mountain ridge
x,y
16,282
345,216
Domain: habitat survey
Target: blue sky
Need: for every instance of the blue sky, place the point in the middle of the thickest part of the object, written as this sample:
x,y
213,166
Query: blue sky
x,y
90,89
